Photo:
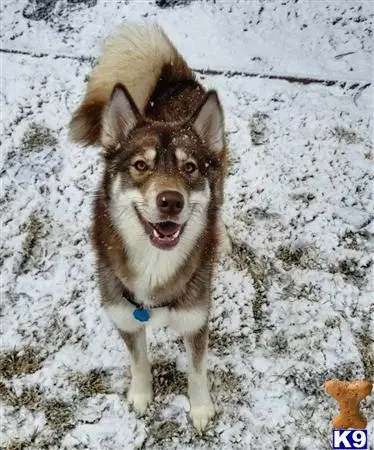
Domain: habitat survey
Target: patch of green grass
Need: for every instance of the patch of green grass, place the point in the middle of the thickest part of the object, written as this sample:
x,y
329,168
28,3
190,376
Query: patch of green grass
x,y
37,137
20,361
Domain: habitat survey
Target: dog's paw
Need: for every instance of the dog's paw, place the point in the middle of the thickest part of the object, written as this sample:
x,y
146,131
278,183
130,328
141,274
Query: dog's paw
x,y
139,399
201,413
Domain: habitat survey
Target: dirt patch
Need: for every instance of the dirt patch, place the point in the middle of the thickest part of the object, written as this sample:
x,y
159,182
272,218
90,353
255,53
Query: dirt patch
x,y
366,348
221,342
46,9
259,129
333,322
171,3
343,135
311,382
352,271
257,214
229,384
353,240
34,231
304,197
279,343
36,138
20,361
260,270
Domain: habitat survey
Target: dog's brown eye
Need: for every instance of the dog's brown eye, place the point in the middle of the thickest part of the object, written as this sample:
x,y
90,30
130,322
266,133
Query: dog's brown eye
x,y
140,165
190,167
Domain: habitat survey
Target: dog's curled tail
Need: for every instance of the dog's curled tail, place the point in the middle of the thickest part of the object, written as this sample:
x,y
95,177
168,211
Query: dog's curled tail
x,y
134,56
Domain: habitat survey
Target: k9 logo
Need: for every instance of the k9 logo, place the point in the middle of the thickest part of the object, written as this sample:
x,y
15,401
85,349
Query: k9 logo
x,y
343,439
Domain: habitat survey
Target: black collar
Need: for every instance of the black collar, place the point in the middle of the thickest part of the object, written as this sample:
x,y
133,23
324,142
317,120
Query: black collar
x,y
130,297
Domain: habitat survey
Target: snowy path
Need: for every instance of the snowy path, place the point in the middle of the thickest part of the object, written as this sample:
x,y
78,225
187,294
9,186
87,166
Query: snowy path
x,y
293,305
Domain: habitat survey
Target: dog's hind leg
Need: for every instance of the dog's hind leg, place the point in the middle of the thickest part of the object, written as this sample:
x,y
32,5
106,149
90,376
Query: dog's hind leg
x,y
202,409
140,391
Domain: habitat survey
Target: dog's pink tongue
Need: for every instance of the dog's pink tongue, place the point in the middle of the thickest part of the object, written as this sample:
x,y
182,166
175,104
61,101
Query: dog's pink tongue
x,y
167,228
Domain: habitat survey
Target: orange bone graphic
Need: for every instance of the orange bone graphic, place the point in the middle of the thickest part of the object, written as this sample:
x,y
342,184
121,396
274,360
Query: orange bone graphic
x,y
348,395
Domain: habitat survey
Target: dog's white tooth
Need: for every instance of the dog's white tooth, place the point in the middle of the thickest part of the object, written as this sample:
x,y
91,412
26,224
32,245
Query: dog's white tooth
x,y
155,233
176,234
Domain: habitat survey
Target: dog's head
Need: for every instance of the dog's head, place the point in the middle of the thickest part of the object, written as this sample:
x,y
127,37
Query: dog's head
x,y
162,178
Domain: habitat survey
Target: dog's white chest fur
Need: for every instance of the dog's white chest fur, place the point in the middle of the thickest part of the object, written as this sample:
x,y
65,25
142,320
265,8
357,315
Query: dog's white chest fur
x,y
181,320
153,267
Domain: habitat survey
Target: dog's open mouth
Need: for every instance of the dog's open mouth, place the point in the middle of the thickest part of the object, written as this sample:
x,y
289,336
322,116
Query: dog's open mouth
x,y
164,235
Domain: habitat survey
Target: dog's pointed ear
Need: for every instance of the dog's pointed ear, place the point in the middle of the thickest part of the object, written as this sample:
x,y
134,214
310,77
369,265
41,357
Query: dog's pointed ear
x,y
208,122
120,117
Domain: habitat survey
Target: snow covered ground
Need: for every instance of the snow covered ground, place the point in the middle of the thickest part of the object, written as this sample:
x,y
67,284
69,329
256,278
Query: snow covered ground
x,y
293,304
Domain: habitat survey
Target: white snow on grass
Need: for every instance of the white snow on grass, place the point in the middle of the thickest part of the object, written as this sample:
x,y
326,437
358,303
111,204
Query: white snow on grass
x,y
314,39
292,306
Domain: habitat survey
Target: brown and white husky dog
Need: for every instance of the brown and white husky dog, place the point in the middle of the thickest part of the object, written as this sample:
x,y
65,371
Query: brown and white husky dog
x,y
156,222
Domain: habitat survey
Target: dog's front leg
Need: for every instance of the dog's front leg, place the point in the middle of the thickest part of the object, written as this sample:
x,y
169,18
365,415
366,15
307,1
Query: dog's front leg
x,y
140,391
202,409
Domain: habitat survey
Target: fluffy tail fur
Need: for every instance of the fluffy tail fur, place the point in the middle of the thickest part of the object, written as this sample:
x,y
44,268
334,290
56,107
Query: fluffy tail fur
x,y
135,57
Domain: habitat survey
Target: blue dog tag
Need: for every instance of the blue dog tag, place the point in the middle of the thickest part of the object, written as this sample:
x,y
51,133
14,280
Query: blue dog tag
x,y
141,314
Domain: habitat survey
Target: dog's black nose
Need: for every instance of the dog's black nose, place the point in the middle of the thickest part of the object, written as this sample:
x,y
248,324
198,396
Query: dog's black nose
x,y
170,202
